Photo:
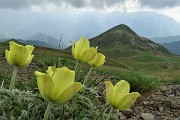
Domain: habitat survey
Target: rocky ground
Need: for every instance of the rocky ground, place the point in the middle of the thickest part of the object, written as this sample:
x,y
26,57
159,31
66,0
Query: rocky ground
x,y
163,104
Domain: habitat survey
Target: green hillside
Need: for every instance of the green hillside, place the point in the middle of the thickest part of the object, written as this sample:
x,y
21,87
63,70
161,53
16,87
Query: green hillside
x,y
126,52
122,37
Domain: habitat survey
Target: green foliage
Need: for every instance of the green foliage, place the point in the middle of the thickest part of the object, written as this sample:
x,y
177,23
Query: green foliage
x,y
176,81
137,81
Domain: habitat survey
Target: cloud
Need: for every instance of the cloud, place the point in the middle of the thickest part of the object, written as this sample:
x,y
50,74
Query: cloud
x,y
158,4
19,4
96,4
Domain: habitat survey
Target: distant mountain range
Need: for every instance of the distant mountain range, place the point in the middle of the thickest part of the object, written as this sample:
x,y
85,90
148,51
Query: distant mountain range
x,y
119,36
45,40
39,39
147,24
167,39
172,43
174,47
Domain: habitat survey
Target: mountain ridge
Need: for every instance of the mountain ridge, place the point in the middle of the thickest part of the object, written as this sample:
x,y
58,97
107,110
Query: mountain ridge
x,y
166,39
122,36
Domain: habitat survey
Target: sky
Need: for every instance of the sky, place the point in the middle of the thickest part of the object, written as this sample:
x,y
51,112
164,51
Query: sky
x,y
168,7
74,18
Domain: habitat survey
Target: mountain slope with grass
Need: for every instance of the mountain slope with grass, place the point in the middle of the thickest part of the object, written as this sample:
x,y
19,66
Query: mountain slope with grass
x,y
122,37
129,54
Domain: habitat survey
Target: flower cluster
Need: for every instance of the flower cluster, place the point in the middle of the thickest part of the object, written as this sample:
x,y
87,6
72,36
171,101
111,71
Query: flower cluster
x,y
57,85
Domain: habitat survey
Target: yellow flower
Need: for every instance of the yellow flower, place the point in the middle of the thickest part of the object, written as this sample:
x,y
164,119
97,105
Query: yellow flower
x,y
82,50
118,96
98,60
57,84
19,55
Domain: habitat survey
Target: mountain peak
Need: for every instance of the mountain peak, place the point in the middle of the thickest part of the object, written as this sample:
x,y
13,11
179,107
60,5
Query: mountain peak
x,y
123,37
123,28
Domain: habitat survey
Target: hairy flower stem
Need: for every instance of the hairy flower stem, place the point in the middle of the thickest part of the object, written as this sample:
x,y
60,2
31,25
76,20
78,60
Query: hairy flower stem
x,y
77,64
87,76
13,79
110,113
48,109
104,109
8,113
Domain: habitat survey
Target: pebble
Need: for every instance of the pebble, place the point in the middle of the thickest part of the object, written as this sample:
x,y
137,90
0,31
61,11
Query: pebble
x,y
128,113
147,116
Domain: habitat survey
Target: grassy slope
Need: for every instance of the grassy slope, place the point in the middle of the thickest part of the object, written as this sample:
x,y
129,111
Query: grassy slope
x,y
124,61
166,67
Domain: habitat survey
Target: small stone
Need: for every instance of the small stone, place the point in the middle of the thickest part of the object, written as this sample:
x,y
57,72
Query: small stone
x,y
163,88
146,102
128,113
176,119
157,117
122,117
161,109
147,116
177,89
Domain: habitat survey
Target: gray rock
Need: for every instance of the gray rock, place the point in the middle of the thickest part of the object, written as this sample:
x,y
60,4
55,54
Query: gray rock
x,y
157,117
177,89
128,113
163,88
161,109
147,116
122,117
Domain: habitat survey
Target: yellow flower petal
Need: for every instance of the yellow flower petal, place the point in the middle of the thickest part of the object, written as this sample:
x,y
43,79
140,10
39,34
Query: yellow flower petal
x,y
30,49
37,73
73,52
28,61
127,100
18,55
109,91
101,60
51,70
62,79
12,43
98,60
81,46
68,93
46,86
7,53
88,54
120,89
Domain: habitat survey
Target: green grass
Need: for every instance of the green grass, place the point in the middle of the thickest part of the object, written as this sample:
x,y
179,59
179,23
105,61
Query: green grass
x,y
138,81
137,67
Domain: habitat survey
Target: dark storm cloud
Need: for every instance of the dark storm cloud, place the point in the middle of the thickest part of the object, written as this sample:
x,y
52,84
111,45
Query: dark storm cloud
x,y
18,4
160,3
100,4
